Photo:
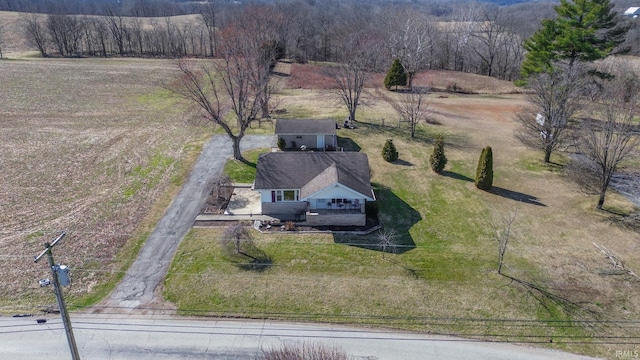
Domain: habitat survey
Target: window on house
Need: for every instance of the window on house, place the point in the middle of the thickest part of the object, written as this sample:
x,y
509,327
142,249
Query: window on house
x,y
285,195
289,195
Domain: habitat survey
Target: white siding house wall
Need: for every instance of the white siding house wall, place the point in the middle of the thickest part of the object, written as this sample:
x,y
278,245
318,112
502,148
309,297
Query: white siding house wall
x,y
321,199
265,195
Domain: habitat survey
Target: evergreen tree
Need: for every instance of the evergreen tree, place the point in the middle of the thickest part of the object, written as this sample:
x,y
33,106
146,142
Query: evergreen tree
x,y
585,30
396,76
484,173
437,159
389,152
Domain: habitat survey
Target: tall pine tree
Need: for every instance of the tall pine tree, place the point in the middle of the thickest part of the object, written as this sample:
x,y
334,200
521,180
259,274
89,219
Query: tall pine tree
x,y
396,76
484,172
437,159
585,30
389,151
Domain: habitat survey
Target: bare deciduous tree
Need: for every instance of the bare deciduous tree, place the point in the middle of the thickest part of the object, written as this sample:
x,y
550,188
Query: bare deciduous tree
x,y
233,85
349,79
607,141
2,32
209,14
306,351
413,109
388,240
36,34
411,40
117,27
496,45
502,231
66,33
238,243
554,101
234,235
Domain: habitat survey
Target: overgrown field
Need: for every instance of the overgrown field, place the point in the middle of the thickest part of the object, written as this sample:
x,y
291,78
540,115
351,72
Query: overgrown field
x,y
87,146
443,278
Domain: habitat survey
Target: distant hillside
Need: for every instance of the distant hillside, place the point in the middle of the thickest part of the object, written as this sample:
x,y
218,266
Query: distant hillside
x,y
154,8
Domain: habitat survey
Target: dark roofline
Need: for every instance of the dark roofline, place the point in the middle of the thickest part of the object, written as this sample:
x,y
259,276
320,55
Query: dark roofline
x,y
294,170
305,126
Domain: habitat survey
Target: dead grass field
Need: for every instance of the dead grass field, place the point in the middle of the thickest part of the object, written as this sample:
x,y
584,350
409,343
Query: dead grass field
x,y
448,282
87,146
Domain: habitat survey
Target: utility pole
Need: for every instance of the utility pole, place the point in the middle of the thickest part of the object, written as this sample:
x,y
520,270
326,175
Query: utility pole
x,y
56,288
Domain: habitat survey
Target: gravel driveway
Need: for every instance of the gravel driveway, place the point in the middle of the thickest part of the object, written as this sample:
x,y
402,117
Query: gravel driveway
x,y
139,287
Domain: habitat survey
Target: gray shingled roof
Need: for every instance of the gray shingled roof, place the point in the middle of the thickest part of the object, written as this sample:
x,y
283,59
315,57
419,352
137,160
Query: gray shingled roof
x,y
313,171
305,126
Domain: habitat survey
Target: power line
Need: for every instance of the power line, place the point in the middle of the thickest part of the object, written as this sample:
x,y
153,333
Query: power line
x,y
346,334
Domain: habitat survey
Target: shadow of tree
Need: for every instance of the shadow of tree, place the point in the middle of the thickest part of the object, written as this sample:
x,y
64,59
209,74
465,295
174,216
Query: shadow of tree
x,y
397,215
631,221
515,195
403,162
348,144
248,163
251,258
457,176
548,299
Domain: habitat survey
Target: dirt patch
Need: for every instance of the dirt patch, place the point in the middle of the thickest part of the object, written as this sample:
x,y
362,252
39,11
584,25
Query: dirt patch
x,y
87,159
308,76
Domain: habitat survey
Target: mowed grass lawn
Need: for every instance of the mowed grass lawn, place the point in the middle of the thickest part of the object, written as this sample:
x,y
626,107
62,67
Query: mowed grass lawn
x,y
443,278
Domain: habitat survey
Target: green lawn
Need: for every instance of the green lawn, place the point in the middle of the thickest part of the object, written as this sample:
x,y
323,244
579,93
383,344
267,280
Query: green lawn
x,y
240,172
442,276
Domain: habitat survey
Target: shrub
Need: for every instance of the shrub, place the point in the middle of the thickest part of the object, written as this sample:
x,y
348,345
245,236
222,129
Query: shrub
x,y
437,159
389,152
396,76
281,144
305,351
290,226
484,173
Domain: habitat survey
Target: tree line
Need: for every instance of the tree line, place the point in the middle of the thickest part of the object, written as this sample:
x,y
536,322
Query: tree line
x,y
479,38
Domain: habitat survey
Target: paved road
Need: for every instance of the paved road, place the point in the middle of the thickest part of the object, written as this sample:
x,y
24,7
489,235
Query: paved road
x,y
130,337
138,288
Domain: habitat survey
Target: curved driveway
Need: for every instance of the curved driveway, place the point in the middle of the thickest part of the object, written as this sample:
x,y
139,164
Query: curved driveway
x,y
137,290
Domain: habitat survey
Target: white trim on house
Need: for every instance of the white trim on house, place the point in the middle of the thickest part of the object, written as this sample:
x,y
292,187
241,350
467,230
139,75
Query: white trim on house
x,y
338,191
632,12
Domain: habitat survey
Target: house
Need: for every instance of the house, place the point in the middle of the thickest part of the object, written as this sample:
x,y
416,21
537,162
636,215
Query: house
x,y
322,188
307,133
632,12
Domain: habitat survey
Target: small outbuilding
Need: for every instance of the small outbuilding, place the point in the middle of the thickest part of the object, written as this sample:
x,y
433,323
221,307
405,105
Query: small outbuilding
x,y
632,12
319,134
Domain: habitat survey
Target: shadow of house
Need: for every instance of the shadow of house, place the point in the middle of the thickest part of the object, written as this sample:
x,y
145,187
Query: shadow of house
x,y
347,144
395,214
515,195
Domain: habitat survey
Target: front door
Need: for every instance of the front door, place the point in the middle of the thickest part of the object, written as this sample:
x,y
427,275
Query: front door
x,y
320,142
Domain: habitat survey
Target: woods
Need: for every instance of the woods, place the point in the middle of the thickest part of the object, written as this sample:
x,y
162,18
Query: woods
x,y
479,38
